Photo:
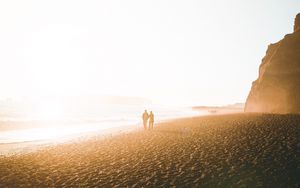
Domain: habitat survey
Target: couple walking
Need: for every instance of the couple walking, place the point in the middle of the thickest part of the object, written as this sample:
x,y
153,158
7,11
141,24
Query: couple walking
x,y
147,117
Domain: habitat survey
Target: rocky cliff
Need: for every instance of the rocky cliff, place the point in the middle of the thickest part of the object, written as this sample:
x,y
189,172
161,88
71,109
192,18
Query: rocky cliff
x,y
277,89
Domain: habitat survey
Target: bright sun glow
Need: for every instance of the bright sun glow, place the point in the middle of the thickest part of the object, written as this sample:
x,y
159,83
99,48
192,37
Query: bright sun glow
x,y
175,52
47,111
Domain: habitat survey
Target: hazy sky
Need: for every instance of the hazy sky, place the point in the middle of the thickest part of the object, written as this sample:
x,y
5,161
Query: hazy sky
x,y
180,52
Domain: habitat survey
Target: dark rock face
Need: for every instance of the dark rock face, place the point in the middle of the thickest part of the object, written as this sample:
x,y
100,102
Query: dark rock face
x,y
277,89
297,23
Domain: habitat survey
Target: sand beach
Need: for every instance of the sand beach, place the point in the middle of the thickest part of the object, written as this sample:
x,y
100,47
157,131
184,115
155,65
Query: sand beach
x,y
239,150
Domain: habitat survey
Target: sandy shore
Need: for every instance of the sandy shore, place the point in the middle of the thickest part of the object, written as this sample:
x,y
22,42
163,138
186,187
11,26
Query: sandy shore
x,y
242,150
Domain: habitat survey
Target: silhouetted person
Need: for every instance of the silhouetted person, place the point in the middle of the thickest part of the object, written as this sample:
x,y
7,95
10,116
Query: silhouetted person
x,y
151,120
145,118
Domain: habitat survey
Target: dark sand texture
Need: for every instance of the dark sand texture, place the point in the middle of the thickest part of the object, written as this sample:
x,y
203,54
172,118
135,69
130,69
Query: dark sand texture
x,y
242,150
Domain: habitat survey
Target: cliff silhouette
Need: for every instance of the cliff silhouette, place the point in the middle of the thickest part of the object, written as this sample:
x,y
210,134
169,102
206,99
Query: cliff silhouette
x,y
277,89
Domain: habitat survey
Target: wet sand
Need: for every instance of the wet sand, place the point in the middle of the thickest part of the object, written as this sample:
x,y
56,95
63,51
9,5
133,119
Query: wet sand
x,y
240,150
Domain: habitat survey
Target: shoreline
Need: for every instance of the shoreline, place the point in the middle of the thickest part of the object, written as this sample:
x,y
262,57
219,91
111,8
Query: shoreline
x,y
23,147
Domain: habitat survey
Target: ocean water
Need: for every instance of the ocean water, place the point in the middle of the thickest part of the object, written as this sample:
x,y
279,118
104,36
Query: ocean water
x,y
51,124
